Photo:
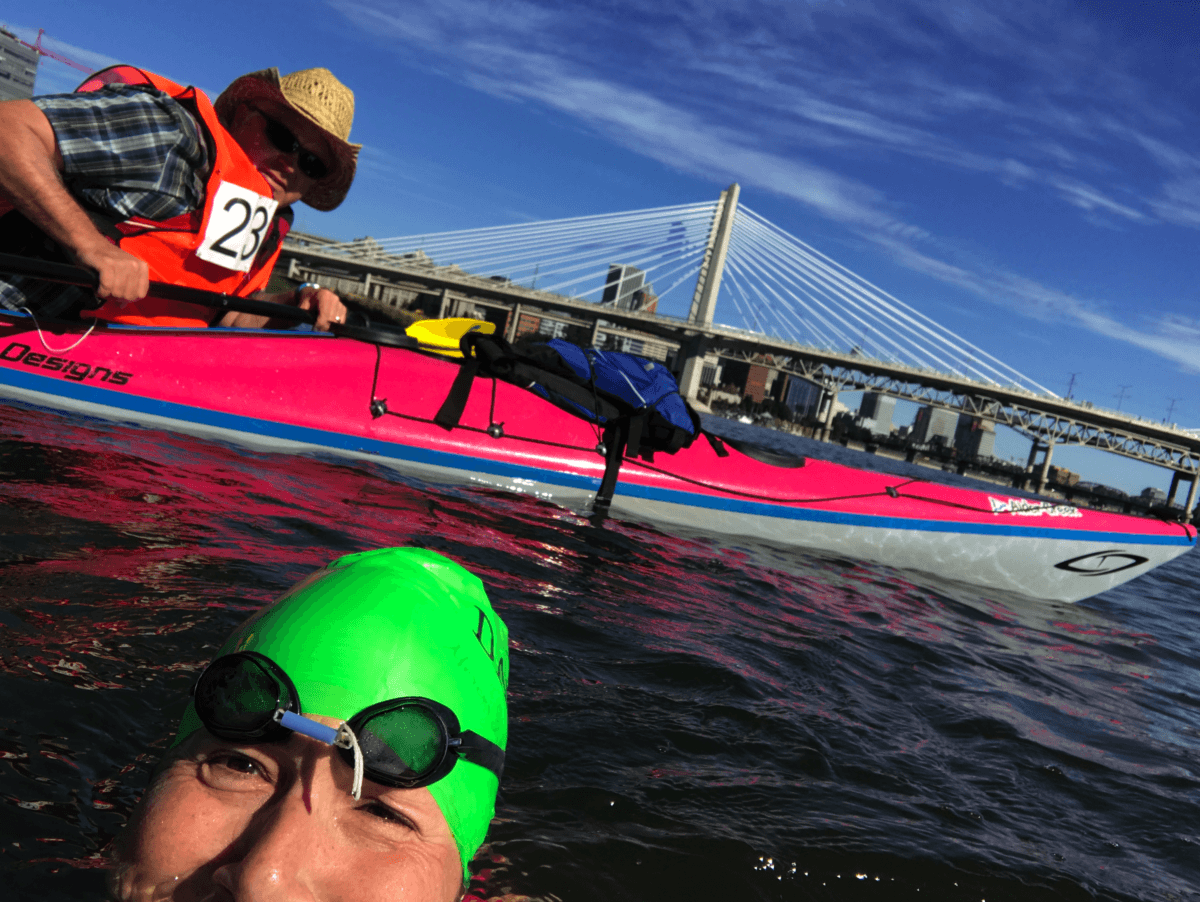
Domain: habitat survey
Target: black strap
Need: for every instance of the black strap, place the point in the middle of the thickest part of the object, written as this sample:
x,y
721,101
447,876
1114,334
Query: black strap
x,y
489,355
717,445
637,425
451,411
615,437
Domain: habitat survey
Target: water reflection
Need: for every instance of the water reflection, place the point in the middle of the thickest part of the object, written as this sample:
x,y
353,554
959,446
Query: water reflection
x,y
690,718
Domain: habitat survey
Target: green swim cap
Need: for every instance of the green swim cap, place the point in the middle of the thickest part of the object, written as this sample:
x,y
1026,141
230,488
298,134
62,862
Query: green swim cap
x,y
385,624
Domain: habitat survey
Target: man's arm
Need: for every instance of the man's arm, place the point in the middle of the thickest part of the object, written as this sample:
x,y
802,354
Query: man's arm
x,y
30,180
329,309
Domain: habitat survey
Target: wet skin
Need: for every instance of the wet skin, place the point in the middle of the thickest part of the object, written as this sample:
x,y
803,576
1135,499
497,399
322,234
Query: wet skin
x,y
273,822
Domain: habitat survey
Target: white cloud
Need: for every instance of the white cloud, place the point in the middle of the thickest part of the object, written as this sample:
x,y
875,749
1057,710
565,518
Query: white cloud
x,y
1174,338
1042,99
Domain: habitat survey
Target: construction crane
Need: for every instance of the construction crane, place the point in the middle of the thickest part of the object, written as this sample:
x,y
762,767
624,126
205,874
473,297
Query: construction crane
x,y
42,51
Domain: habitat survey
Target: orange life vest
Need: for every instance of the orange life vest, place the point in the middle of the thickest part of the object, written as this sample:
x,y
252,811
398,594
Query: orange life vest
x,y
181,250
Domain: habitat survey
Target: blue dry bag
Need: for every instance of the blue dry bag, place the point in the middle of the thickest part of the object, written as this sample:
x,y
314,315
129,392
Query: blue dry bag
x,y
642,391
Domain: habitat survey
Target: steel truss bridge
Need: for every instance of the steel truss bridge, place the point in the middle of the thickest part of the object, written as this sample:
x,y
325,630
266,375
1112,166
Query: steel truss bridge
x,y
658,275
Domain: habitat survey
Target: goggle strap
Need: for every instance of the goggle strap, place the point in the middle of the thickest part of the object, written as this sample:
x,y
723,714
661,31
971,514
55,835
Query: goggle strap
x,y
347,740
482,751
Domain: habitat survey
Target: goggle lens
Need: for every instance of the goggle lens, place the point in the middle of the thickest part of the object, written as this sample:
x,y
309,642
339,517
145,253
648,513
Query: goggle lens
x,y
238,697
402,745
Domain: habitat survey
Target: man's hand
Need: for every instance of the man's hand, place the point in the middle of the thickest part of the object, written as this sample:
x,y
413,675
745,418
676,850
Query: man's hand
x,y
328,306
30,180
123,277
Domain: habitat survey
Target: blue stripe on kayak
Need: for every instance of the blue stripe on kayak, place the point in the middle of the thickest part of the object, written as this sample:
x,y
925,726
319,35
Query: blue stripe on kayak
x,y
324,438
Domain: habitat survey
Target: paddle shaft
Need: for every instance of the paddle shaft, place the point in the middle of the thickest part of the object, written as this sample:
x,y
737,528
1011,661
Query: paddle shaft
x,y
66,274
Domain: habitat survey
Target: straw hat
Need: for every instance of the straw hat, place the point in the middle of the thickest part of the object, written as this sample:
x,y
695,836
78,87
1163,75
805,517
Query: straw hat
x,y
319,97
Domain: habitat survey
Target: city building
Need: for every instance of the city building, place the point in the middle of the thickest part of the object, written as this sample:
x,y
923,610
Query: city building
x,y
18,68
974,437
1153,495
626,288
756,381
875,413
933,424
1061,476
803,397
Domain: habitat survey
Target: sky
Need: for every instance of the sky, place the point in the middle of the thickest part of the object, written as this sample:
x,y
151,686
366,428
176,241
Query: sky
x,y
1025,173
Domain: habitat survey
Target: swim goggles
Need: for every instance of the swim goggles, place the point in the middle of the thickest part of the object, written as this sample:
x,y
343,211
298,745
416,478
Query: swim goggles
x,y
405,742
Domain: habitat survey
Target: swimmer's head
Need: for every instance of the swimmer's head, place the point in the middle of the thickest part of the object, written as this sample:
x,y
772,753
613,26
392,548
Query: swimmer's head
x,y
393,624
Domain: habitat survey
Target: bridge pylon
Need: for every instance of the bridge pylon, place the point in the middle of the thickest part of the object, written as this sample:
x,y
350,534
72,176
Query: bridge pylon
x,y
708,283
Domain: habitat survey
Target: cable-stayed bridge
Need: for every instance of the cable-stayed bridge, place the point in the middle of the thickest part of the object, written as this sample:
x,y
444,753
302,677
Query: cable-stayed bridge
x,y
655,279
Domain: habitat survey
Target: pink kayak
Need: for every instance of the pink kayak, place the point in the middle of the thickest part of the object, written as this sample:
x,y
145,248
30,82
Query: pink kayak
x,y
303,392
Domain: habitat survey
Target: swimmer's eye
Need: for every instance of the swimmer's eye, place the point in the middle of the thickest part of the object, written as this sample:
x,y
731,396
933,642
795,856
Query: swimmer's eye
x,y
232,770
239,764
387,813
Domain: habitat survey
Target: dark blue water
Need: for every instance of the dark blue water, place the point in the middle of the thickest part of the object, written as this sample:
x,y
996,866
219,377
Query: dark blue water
x,y
691,718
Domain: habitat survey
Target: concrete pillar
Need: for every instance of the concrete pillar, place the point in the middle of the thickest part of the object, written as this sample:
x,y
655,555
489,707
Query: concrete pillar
x,y
1023,481
367,285
445,303
827,429
1044,472
595,333
1174,487
691,355
708,284
1191,501
514,317
293,272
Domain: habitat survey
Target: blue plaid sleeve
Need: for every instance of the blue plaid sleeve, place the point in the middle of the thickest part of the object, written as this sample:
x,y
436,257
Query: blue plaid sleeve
x,y
126,150
130,150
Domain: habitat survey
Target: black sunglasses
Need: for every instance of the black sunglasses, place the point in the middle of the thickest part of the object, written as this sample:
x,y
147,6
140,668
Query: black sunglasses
x,y
282,138
404,742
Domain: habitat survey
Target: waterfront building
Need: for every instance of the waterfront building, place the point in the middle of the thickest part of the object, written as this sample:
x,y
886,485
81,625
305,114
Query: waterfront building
x,y
803,397
934,423
626,288
18,68
875,413
1061,476
1152,495
974,437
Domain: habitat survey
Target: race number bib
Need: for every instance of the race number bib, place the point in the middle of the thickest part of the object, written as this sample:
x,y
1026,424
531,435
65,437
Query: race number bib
x,y
237,227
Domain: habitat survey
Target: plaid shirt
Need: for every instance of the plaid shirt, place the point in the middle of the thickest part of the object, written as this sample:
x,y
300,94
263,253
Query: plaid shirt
x,y
128,151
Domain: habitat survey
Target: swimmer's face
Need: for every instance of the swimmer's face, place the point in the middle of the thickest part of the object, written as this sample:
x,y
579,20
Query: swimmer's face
x,y
275,822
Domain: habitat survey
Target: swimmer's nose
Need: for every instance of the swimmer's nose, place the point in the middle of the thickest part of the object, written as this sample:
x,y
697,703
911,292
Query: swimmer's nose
x,y
271,861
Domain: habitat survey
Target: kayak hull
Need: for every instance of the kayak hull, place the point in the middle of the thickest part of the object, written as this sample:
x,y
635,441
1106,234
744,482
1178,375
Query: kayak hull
x,y
305,392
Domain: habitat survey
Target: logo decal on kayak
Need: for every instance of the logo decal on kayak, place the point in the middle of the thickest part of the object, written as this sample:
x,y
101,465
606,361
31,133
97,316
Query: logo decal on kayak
x,y
1102,563
1023,508
75,370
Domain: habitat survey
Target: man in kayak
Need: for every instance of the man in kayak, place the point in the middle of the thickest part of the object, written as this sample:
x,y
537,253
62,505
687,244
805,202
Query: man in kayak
x,y
346,742
138,178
